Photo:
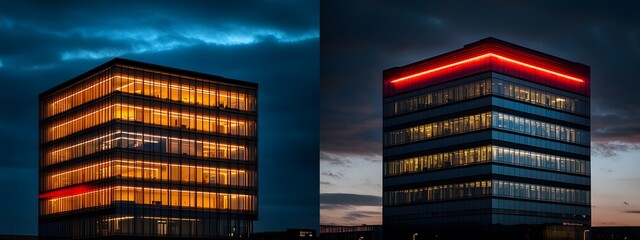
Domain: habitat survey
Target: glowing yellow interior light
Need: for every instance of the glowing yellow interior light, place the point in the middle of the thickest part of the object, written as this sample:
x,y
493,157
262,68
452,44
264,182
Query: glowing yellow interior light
x,y
188,116
119,188
209,145
118,218
81,117
142,168
88,141
137,80
180,191
83,90
171,218
80,169
124,86
131,139
114,162
176,87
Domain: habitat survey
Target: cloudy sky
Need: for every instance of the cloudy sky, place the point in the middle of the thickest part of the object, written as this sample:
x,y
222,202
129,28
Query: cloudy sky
x,y
362,38
273,43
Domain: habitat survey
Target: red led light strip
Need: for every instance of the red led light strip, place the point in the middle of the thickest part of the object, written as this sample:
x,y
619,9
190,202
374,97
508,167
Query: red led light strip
x,y
486,56
65,192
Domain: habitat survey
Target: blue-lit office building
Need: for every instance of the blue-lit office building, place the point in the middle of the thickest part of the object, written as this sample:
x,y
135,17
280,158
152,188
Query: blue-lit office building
x,y
488,141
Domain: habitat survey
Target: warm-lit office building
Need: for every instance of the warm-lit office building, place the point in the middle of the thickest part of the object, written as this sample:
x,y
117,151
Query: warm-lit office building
x,y
135,149
490,141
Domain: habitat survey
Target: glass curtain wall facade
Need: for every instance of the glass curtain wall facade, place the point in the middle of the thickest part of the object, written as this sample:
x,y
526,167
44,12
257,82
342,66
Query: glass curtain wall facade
x,y
490,141
134,149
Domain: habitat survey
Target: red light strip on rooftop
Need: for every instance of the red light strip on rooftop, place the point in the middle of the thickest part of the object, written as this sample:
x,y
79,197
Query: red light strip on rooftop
x,y
486,56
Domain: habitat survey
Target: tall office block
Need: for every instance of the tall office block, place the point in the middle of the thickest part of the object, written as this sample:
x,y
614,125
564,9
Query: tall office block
x,y
135,149
491,141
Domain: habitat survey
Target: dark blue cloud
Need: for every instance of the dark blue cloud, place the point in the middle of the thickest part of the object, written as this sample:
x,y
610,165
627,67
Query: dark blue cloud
x,y
273,43
98,30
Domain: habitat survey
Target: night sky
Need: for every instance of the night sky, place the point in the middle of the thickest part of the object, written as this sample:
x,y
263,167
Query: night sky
x,y
273,43
362,38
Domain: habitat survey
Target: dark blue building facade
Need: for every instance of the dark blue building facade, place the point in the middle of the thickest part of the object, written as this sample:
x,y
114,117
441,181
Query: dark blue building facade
x,y
491,140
